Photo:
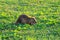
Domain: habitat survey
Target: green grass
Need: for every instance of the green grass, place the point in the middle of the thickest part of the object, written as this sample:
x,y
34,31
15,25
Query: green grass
x,y
47,13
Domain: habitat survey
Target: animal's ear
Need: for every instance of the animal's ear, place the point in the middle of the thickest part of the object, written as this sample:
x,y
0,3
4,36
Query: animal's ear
x,y
33,17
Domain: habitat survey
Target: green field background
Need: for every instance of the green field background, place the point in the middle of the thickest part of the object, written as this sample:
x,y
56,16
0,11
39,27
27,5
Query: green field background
x,y
46,12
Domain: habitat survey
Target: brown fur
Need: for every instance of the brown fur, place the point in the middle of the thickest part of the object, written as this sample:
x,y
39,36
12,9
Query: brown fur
x,y
24,19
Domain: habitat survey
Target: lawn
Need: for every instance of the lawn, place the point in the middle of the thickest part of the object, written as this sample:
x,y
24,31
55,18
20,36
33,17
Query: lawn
x,y
46,12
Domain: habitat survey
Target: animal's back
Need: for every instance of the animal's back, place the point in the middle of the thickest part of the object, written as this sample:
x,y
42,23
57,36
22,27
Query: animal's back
x,y
23,16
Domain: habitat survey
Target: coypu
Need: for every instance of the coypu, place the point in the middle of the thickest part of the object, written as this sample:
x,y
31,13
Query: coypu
x,y
24,19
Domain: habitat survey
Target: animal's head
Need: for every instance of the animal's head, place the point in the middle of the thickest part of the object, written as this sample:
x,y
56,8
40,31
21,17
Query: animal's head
x,y
32,21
